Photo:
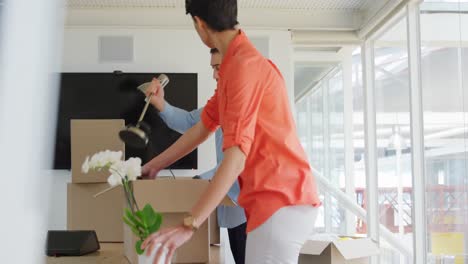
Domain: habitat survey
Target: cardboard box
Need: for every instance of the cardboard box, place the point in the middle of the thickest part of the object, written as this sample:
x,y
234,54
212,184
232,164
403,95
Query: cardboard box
x,y
174,198
215,231
349,251
89,137
103,213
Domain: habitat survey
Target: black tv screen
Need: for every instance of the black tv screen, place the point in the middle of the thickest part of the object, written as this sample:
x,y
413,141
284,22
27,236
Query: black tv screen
x,y
115,96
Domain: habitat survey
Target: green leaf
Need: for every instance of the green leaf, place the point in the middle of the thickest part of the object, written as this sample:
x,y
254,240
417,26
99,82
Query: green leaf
x,y
140,216
153,229
138,249
149,214
134,229
128,222
148,209
157,223
137,232
132,218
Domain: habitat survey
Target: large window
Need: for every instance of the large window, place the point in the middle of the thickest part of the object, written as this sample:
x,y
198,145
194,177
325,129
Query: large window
x,y
336,145
321,128
444,31
358,176
444,80
392,102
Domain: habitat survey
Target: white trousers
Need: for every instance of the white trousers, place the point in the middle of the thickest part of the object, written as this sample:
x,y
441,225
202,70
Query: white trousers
x,y
281,237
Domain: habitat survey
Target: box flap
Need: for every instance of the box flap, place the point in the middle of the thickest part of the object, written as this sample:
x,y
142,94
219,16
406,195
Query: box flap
x,y
314,247
356,248
227,201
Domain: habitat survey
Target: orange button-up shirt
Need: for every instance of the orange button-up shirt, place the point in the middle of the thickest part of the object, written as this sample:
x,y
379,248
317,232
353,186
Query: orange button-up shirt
x,y
251,106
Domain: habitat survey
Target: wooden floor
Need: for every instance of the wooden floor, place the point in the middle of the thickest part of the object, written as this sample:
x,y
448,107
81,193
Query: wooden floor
x,y
112,253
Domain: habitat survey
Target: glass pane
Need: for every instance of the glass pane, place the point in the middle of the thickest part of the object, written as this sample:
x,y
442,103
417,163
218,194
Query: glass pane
x,y
310,130
393,135
390,255
316,133
358,136
326,135
336,146
317,143
444,80
336,129
302,119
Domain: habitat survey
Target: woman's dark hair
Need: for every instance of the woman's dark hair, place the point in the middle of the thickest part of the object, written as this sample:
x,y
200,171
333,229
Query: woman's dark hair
x,y
220,15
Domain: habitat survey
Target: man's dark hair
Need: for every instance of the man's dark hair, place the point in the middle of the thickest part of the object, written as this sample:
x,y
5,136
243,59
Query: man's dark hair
x,y
214,50
220,15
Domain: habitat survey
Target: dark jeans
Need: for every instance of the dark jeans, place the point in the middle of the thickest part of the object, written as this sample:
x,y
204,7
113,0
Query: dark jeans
x,y
237,241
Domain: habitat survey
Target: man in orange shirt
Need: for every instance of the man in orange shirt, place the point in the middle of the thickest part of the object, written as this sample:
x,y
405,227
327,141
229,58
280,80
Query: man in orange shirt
x,y
278,191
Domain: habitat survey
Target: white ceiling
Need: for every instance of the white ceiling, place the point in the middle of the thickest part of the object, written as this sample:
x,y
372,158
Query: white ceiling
x,y
268,4
309,20
317,15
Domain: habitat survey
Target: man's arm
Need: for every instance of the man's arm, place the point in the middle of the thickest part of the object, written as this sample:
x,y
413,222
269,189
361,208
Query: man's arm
x,y
178,119
183,146
188,141
175,118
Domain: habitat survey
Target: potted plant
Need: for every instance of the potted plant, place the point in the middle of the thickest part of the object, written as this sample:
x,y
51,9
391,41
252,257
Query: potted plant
x,y
142,222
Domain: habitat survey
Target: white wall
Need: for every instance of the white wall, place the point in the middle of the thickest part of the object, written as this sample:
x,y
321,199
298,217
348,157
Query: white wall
x,y
27,113
169,50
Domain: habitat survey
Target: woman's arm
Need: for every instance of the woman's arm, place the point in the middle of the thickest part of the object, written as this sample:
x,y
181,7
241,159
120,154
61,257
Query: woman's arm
x,y
227,173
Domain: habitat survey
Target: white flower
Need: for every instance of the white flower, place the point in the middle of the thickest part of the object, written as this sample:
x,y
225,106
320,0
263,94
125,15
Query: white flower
x,y
112,160
114,180
118,168
85,166
111,157
97,161
133,168
104,159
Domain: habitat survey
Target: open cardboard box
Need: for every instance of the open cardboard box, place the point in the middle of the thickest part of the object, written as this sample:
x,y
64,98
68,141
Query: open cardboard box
x,y
173,198
346,250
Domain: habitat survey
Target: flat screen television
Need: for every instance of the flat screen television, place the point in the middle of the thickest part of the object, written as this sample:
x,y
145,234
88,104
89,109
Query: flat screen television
x,y
115,96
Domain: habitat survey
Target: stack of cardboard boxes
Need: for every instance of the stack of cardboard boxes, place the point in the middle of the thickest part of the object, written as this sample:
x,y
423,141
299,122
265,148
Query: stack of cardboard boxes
x,y
173,197
84,212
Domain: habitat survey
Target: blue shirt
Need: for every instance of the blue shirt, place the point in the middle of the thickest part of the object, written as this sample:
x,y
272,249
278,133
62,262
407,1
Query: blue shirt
x,y
180,121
